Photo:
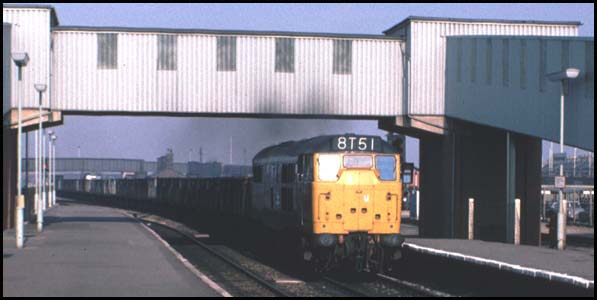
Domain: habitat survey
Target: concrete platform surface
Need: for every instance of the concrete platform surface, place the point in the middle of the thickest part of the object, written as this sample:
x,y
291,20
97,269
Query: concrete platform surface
x,y
574,266
93,251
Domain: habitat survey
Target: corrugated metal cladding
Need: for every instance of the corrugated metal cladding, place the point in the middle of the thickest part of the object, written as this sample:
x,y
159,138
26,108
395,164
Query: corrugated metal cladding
x,y
427,48
6,62
137,85
507,87
31,34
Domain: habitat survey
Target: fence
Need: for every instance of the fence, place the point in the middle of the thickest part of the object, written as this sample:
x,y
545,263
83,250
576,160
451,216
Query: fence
x,y
580,207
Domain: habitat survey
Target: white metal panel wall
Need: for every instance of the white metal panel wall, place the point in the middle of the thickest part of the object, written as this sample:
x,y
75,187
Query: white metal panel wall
x,y
31,34
373,88
6,67
428,55
501,82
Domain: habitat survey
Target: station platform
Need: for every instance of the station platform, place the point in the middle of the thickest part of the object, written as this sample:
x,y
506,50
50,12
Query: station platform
x,y
574,266
94,251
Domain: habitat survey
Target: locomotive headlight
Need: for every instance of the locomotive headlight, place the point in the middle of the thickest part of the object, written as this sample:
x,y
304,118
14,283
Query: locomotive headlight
x,y
325,240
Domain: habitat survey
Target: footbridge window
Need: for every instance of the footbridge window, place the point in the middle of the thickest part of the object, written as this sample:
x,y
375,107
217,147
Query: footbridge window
x,y
167,46
226,60
342,56
107,50
285,55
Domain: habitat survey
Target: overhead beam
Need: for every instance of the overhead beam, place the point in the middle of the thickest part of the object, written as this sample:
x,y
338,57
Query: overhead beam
x,y
30,117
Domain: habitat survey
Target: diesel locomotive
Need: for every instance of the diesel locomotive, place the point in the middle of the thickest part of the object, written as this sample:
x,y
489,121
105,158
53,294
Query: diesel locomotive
x,y
335,198
331,200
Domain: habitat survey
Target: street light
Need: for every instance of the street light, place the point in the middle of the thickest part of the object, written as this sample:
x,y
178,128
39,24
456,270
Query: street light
x,y
569,73
20,59
50,162
53,168
51,189
40,175
562,76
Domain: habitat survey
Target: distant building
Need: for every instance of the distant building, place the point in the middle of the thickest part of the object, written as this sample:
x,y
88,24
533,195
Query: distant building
x,y
152,167
204,170
580,166
168,173
166,166
166,161
578,170
107,168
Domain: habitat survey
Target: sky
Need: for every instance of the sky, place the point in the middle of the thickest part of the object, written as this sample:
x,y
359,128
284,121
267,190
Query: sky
x,y
149,137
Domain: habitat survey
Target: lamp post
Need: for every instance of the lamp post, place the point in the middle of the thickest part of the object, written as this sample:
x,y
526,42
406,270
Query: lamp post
x,y
563,77
53,169
20,59
81,161
50,164
41,196
49,168
44,164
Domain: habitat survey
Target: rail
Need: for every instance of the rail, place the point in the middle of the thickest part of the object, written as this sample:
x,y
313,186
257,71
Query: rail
x,y
276,291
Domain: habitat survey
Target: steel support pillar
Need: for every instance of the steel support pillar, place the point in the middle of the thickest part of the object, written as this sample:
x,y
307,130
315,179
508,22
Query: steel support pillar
x,y
490,165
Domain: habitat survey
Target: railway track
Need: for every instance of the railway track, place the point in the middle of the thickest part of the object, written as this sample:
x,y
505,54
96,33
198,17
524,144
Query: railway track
x,y
244,276
235,278
415,287
269,282
351,290
380,285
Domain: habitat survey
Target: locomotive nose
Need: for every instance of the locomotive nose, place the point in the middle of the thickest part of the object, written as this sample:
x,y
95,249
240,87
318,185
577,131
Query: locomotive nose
x,y
358,208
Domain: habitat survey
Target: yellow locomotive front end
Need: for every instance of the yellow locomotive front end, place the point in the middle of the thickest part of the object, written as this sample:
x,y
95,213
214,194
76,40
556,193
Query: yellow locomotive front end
x,y
356,193
356,198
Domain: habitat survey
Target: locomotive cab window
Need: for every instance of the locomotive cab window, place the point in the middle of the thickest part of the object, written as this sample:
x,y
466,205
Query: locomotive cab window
x,y
386,165
328,166
358,161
